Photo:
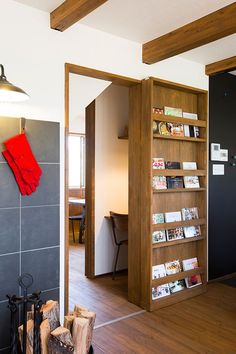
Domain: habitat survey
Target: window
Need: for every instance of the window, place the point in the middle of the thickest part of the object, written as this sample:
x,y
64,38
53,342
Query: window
x,y
76,146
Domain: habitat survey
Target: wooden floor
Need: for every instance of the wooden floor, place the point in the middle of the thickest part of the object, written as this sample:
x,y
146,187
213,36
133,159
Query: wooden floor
x,y
205,324
107,297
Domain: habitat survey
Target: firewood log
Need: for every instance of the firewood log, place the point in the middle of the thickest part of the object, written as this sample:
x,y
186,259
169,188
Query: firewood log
x,y
60,341
29,336
50,311
79,334
44,334
78,308
68,322
91,316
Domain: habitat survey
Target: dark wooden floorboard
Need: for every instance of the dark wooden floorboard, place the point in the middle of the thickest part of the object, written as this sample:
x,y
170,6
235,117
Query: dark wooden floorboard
x,y
204,324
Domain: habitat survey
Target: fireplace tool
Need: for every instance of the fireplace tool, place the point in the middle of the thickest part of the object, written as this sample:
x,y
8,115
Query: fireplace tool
x,y
18,306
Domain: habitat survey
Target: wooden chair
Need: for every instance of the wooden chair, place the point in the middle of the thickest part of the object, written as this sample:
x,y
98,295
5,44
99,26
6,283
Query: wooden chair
x,y
119,223
81,219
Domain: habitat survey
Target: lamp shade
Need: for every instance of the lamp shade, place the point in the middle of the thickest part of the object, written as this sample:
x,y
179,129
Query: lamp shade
x,y
9,92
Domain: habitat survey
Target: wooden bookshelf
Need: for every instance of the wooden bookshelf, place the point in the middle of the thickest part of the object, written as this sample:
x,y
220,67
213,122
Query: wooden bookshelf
x,y
146,201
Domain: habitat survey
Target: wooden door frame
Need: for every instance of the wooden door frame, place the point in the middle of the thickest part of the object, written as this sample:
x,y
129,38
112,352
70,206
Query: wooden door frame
x,y
90,165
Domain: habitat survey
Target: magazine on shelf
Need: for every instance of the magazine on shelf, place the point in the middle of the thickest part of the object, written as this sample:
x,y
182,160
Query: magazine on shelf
x,y
177,129
158,218
157,110
192,231
172,111
186,130
158,271
191,182
173,267
175,234
189,165
189,213
190,115
175,165
159,182
173,216
158,236
164,128
160,291
176,286
175,182
158,163
194,280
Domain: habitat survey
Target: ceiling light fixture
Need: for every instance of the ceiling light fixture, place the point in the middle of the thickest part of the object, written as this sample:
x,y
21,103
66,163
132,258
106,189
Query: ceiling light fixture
x,y
9,92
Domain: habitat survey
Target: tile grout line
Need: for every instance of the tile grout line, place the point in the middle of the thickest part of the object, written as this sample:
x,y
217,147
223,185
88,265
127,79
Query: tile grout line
x,y
120,319
31,206
32,250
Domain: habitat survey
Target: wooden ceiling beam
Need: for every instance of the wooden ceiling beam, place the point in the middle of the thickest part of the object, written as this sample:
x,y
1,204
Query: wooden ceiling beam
x,y
216,25
221,66
71,11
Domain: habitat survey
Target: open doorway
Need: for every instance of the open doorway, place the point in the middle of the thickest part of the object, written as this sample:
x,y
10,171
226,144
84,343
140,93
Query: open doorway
x,y
105,117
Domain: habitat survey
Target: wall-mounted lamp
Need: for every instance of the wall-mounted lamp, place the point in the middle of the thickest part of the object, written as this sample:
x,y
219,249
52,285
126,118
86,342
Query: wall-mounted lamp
x,y
9,92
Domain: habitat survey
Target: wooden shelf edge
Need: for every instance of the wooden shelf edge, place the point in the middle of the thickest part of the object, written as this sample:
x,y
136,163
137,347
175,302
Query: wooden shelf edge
x,y
182,223
178,242
183,138
177,276
177,297
180,120
178,190
180,172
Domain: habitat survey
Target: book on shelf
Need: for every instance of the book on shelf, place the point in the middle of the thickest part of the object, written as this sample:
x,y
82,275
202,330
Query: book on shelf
x,y
173,216
194,280
186,130
175,234
176,286
158,236
172,111
173,267
175,182
175,165
158,271
189,165
189,213
157,110
154,127
160,291
194,131
158,218
192,231
189,115
190,182
158,163
159,182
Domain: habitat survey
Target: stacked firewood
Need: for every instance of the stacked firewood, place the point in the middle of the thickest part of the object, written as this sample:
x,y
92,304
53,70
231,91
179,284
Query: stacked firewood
x,y
75,336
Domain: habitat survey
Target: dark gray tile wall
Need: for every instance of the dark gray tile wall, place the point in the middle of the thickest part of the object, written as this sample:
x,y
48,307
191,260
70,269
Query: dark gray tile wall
x,y
29,225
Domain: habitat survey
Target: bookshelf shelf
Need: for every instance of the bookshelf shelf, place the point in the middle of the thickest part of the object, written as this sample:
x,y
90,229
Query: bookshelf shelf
x,y
178,190
172,119
177,276
176,297
183,223
183,138
178,242
172,172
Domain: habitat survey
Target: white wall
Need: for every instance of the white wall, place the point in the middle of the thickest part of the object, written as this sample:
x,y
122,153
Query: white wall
x,y
111,173
34,58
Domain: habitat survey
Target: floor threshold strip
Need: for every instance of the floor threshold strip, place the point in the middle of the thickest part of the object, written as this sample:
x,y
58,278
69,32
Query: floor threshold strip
x,y
119,319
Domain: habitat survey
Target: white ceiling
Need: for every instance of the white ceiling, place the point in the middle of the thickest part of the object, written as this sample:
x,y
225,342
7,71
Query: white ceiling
x,y
143,20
